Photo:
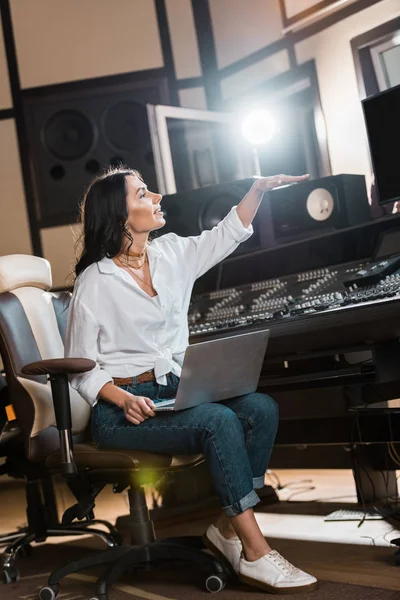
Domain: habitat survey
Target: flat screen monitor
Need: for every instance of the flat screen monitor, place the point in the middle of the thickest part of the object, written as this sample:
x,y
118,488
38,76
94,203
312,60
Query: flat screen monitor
x,y
382,120
389,244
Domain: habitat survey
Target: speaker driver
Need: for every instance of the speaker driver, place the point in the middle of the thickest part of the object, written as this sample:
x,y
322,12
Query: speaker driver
x,y
68,135
320,204
215,211
122,124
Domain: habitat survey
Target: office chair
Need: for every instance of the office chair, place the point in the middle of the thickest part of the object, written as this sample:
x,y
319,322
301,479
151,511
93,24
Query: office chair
x,y
19,438
54,420
41,511
41,506
11,449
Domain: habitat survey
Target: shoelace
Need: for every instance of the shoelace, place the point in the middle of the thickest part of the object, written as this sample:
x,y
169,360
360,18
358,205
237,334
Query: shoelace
x,y
282,563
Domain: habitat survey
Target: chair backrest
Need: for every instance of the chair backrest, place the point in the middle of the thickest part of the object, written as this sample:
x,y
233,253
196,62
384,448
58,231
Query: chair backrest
x,y
32,327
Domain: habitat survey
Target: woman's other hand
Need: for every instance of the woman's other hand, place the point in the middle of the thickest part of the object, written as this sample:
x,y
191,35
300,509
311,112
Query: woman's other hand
x,y
138,408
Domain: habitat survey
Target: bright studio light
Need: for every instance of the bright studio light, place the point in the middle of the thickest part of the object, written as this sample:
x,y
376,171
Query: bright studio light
x,y
258,127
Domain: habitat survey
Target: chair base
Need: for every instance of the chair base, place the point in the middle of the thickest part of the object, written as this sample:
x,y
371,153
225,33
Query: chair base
x,y
123,559
21,542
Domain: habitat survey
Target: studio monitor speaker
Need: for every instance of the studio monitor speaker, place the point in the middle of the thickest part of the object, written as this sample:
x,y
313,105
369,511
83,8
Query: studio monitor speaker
x,y
306,208
75,130
190,213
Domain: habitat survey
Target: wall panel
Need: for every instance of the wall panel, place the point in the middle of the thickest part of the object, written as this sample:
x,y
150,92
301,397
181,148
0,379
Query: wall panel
x,y
183,38
14,226
255,74
5,94
294,7
193,98
58,248
242,27
60,41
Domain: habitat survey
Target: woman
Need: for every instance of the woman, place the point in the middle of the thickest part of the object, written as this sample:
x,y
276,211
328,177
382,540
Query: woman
x,y
128,313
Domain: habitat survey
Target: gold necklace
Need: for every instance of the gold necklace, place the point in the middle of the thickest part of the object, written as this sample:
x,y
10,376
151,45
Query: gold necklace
x,y
140,279
145,282
140,255
126,263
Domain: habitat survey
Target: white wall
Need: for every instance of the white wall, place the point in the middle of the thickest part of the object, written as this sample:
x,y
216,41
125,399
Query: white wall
x,y
338,86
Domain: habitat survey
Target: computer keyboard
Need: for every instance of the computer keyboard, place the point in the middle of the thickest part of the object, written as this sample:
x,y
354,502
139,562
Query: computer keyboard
x,y
353,515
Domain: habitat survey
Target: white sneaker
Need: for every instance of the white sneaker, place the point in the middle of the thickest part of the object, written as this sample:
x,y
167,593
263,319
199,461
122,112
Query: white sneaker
x,y
228,551
275,574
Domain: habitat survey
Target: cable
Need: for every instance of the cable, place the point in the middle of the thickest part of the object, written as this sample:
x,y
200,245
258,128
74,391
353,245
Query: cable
x,y
278,485
392,449
387,533
368,537
359,464
357,467
302,491
393,455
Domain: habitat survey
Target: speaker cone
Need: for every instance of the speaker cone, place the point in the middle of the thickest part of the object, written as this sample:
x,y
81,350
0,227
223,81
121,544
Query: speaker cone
x,y
68,135
215,211
123,125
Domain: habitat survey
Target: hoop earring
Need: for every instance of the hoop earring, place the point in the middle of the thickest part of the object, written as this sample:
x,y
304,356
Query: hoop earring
x,y
128,234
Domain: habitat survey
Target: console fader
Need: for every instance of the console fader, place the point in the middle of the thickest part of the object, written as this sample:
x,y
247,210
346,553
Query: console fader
x,y
318,291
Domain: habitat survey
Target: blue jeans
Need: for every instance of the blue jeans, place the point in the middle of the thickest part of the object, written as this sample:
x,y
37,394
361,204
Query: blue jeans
x,y
236,437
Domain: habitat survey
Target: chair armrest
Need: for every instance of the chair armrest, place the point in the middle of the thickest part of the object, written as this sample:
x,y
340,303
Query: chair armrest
x,y
58,366
59,369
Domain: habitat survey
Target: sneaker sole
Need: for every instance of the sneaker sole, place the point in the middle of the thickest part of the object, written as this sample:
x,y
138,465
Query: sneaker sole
x,y
277,590
218,554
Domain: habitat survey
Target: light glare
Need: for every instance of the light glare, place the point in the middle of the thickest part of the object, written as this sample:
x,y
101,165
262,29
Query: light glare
x,y
258,127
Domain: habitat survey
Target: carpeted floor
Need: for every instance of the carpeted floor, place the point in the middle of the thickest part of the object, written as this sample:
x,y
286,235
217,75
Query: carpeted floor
x,y
170,583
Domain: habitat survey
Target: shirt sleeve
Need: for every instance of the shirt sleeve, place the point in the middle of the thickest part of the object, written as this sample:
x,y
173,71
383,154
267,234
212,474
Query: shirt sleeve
x,y
81,342
211,246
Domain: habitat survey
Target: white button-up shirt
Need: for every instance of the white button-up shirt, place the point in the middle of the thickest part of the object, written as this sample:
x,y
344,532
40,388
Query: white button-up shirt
x,y
112,321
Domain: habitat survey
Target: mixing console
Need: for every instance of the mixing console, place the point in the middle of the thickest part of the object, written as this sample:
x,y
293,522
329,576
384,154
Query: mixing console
x,y
312,292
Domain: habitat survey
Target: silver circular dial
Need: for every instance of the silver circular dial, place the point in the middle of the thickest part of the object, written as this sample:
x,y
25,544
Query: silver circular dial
x,y
320,204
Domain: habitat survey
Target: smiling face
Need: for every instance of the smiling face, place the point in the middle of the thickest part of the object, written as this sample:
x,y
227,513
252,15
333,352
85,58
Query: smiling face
x,y
144,210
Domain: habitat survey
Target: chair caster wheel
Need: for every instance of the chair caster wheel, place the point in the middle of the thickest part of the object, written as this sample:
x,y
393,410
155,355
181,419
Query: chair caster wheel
x,y
26,550
99,597
216,582
49,592
10,575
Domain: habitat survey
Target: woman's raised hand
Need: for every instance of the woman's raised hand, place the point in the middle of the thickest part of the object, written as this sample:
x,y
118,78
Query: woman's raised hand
x,y
264,184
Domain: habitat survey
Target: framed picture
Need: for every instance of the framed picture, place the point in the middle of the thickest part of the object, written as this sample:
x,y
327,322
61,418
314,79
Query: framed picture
x,y
195,148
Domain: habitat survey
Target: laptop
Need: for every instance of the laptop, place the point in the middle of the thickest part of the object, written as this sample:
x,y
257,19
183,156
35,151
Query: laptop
x,y
219,369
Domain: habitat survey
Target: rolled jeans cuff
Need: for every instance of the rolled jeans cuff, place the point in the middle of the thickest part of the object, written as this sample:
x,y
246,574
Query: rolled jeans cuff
x,y
258,482
248,501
